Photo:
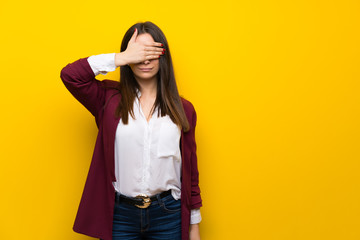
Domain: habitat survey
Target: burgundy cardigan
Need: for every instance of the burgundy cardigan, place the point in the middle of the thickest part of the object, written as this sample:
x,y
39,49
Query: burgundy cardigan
x,y
95,213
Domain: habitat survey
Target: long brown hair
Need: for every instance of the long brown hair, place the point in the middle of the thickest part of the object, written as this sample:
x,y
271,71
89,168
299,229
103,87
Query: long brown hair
x,y
167,100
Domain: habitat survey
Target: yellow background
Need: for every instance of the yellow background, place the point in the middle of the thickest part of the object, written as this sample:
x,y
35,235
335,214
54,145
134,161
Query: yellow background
x,y
275,85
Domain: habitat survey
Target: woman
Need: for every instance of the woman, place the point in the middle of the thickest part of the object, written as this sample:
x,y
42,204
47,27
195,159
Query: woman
x,y
143,179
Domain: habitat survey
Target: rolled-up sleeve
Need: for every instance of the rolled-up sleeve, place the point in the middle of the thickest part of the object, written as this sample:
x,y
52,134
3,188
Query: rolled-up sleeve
x,y
102,63
195,216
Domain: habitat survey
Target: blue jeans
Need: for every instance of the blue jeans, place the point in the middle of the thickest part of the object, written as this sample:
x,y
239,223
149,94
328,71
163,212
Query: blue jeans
x,y
160,221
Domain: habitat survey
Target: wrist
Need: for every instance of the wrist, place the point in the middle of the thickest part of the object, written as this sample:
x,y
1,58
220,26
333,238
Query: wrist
x,y
120,59
194,232
194,226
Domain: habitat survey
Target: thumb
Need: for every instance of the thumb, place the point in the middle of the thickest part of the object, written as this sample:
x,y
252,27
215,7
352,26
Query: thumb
x,y
133,37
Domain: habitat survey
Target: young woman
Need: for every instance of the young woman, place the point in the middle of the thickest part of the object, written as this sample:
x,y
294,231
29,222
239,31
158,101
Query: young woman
x,y
143,180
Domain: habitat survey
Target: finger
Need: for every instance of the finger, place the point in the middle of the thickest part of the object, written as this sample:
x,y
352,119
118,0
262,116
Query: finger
x,y
157,44
158,52
149,57
133,37
154,49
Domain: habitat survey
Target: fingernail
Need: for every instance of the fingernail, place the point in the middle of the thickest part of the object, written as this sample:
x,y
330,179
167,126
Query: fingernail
x,y
162,45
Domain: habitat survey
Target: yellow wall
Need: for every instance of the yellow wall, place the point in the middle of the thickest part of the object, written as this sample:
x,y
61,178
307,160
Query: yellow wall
x,y
275,85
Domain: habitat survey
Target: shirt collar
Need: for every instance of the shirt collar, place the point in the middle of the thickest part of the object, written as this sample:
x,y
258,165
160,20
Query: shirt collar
x,y
138,93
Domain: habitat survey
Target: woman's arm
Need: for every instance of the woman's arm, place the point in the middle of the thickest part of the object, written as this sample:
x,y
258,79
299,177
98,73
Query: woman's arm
x,y
196,201
195,219
194,232
79,76
79,79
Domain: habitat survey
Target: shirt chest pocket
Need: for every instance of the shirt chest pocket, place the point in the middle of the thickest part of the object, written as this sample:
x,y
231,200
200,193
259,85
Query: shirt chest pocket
x,y
169,140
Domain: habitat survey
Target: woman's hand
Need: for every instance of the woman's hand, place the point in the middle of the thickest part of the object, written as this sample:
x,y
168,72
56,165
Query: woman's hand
x,y
137,52
194,232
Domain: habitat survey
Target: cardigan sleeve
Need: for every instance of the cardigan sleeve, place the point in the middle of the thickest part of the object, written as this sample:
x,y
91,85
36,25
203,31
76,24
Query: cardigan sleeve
x,y
196,201
79,78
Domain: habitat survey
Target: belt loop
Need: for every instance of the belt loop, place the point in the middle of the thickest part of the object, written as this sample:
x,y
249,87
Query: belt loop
x,y
159,199
117,197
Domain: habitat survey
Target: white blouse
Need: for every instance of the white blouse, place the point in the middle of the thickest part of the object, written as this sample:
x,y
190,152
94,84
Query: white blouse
x,y
148,152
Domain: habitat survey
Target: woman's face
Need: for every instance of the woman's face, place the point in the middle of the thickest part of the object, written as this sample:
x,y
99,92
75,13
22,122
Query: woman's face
x,y
148,69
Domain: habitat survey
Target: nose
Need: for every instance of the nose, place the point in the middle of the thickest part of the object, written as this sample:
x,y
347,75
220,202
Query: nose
x,y
146,62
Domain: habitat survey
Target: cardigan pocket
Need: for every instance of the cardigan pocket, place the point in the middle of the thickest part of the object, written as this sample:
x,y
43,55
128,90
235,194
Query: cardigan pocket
x,y
169,139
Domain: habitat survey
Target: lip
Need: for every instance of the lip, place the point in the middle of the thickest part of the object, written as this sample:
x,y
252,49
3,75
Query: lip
x,y
145,69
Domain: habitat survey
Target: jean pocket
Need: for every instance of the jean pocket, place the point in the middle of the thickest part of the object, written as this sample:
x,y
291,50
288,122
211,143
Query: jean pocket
x,y
172,205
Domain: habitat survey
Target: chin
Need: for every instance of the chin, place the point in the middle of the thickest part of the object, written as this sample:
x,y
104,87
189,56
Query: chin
x,y
145,76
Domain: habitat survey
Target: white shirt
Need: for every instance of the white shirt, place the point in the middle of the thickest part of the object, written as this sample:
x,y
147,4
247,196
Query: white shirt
x,y
148,152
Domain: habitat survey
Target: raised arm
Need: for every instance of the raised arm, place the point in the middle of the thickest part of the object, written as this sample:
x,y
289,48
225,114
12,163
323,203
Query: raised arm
x,y
79,79
79,76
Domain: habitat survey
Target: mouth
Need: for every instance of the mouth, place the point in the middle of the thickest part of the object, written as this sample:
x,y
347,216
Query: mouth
x,y
145,69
